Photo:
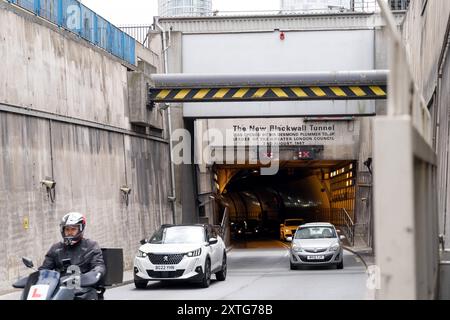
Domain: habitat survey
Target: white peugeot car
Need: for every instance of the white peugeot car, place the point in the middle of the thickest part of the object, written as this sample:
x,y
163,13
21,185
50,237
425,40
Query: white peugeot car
x,y
181,252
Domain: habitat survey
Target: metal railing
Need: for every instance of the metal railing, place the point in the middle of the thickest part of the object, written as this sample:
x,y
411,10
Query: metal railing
x,y
340,218
348,226
138,32
77,18
361,6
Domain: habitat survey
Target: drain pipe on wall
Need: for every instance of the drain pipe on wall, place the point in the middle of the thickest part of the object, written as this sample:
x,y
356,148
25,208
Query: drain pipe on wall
x,y
173,197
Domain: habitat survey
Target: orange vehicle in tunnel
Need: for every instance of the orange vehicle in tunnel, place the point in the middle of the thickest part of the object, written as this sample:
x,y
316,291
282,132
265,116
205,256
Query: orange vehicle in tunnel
x,y
288,228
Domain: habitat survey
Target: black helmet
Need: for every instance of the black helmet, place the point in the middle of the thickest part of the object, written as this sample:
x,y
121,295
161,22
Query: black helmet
x,y
73,219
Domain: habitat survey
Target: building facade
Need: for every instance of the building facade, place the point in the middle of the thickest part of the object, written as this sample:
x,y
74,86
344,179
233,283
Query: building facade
x,y
313,5
172,8
341,5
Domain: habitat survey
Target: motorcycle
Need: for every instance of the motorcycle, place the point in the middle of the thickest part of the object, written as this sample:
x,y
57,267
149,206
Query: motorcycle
x,y
69,284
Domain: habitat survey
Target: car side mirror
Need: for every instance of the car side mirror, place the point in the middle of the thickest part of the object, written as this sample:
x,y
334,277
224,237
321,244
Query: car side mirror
x,y
213,241
27,262
143,241
289,239
342,237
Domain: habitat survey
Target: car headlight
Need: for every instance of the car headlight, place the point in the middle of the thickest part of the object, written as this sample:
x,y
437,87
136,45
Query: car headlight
x,y
194,253
335,247
141,254
297,248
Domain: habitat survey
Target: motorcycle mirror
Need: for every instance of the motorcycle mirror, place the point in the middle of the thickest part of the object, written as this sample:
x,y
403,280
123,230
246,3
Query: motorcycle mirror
x,y
21,283
27,262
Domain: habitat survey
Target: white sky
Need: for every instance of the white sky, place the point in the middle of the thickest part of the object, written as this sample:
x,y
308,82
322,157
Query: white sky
x,y
121,12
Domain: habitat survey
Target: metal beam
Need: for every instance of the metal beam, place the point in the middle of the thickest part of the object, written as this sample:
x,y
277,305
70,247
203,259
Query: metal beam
x,y
352,85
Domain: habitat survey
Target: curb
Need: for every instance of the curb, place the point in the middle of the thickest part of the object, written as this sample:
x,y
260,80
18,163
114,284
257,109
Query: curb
x,y
125,283
358,255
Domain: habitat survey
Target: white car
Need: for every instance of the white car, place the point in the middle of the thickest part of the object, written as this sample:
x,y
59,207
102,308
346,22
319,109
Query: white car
x,y
181,252
317,244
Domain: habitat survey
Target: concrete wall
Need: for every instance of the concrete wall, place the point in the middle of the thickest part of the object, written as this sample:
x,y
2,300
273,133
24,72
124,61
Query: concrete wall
x,y
64,115
425,32
443,150
48,71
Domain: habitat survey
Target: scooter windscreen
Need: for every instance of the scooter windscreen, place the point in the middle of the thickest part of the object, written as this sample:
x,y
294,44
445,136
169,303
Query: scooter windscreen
x,y
41,285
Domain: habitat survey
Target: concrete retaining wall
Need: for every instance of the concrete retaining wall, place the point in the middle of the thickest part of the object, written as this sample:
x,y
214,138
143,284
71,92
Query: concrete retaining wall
x,y
76,130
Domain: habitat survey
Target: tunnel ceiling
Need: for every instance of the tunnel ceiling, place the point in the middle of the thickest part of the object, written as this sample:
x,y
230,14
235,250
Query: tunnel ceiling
x,y
249,177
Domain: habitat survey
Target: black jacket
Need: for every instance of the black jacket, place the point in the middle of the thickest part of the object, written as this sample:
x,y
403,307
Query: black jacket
x,y
86,254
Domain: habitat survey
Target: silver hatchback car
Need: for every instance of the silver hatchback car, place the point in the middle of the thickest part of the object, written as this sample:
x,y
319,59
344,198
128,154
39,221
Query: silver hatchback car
x,y
316,244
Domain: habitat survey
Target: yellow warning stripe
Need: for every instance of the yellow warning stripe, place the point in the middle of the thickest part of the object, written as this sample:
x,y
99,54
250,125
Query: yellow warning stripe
x,y
182,94
358,91
338,91
202,93
318,92
299,92
163,94
280,93
377,90
221,93
260,93
294,93
240,93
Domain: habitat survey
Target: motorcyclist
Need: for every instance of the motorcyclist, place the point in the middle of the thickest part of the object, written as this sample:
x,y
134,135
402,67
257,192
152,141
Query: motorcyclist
x,y
84,253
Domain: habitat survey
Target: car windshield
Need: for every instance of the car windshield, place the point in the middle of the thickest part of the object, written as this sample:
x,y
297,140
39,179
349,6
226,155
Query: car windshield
x,y
315,233
290,223
179,235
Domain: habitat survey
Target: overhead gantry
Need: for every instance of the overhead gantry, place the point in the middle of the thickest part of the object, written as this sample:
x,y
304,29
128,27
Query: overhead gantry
x,y
348,85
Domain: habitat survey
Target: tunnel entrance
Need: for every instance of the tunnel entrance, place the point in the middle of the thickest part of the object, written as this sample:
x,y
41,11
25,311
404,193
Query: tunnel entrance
x,y
313,191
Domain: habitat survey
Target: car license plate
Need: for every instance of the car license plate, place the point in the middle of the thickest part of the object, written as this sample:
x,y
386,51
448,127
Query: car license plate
x,y
316,258
165,268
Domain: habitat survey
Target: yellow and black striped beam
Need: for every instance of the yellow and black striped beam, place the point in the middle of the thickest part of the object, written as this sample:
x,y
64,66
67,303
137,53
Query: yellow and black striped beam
x,y
161,95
